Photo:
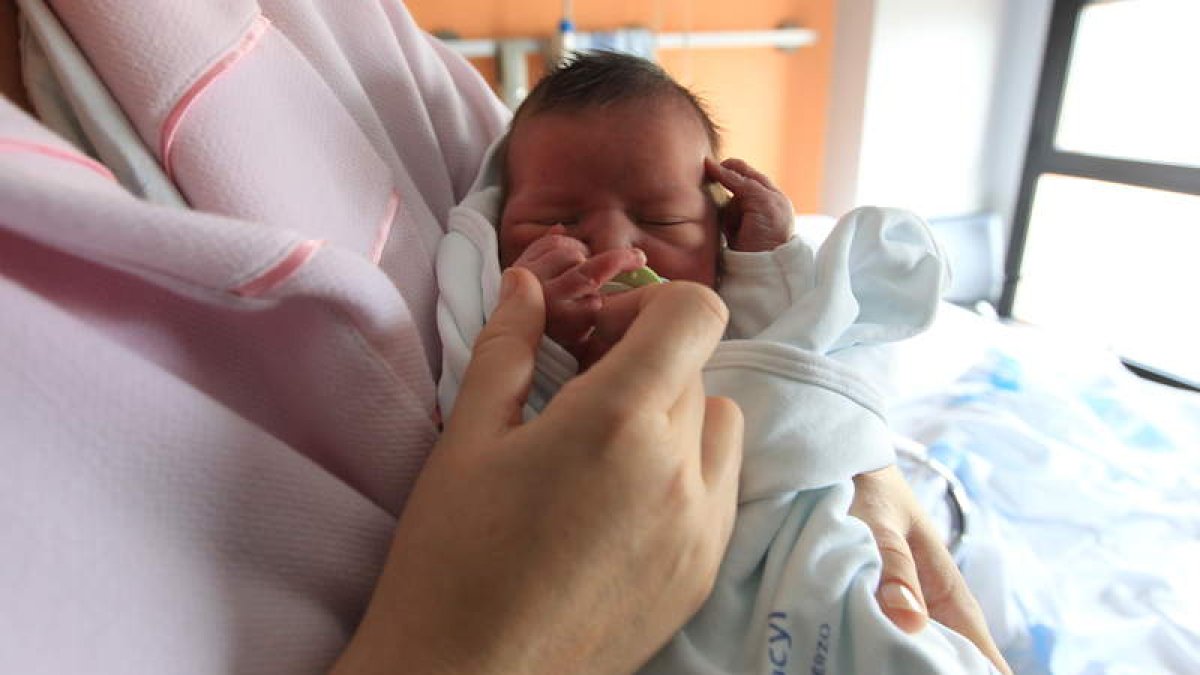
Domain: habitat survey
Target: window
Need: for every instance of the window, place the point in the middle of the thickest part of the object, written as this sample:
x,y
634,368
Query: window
x,y
1106,234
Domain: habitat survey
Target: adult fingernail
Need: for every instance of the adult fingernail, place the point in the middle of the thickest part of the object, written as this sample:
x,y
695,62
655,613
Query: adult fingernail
x,y
895,595
507,284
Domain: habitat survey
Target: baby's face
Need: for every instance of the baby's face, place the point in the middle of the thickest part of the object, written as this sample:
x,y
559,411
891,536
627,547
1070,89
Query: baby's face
x,y
625,176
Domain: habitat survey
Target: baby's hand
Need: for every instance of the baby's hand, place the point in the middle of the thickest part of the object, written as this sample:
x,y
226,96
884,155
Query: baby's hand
x,y
571,283
759,217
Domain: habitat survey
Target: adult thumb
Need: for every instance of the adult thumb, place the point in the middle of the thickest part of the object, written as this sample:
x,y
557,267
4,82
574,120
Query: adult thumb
x,y
498,378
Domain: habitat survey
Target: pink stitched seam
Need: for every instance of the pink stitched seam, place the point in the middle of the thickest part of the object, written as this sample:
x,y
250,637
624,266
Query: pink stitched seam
x,y
222,66
385,227
15,145
279,273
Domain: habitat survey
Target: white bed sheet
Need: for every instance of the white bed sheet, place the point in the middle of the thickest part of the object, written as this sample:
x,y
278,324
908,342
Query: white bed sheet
x,y
1085,488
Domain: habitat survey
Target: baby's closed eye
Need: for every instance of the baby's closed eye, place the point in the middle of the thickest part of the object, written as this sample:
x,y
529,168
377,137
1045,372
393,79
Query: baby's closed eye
x,y
663,221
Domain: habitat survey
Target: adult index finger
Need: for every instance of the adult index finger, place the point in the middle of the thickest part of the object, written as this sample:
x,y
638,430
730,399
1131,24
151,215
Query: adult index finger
x,y
497,381
949,599
677,326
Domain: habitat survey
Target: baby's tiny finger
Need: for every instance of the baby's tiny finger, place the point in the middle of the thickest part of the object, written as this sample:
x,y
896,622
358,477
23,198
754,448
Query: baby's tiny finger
x,y
586,277
604,266
570,320
570,286
729,178
552,262
740,167
744,188
553,240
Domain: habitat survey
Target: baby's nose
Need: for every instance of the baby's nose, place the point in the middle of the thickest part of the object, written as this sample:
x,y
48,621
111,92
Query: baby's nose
x,y
609,231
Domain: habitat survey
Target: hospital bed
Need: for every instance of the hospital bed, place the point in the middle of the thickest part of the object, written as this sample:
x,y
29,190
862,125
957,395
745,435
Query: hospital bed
x,y
1068,488
1080,487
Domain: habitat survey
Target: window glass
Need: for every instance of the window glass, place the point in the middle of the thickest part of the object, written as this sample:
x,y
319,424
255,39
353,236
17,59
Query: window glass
x,y
1132,88
1119,264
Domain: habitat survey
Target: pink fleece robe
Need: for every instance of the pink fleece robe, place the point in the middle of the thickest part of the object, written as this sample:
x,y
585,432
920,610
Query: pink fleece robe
x,y
210,419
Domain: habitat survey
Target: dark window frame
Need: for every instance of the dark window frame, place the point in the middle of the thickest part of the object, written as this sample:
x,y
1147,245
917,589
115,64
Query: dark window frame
x,y
1041,157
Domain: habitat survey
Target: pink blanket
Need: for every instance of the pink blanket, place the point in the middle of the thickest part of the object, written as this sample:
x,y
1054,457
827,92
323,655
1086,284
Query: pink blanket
x,y
209,419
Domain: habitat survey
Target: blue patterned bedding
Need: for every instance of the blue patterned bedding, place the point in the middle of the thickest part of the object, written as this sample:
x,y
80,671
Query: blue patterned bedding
x,y
1084,490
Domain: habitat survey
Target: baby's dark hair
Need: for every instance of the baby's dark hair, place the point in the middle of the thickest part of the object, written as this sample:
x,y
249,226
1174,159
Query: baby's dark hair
x,y
597,79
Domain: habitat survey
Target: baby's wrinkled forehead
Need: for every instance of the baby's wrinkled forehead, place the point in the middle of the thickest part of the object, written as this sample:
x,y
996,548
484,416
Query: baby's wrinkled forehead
x,y
587,124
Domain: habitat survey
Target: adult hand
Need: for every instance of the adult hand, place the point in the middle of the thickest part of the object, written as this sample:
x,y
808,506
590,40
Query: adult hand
x,y
919,576
582,540
759,217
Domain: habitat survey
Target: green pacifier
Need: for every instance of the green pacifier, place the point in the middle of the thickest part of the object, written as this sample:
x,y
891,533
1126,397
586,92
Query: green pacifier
x,y
627,281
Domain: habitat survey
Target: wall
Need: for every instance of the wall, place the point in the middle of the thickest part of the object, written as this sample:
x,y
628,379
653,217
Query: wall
x,y
1022,44
930,107
929,75
772,105
931,102
852,39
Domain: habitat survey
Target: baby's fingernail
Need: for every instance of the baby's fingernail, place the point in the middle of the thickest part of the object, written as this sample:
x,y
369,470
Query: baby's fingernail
x,y
641,256
897,596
